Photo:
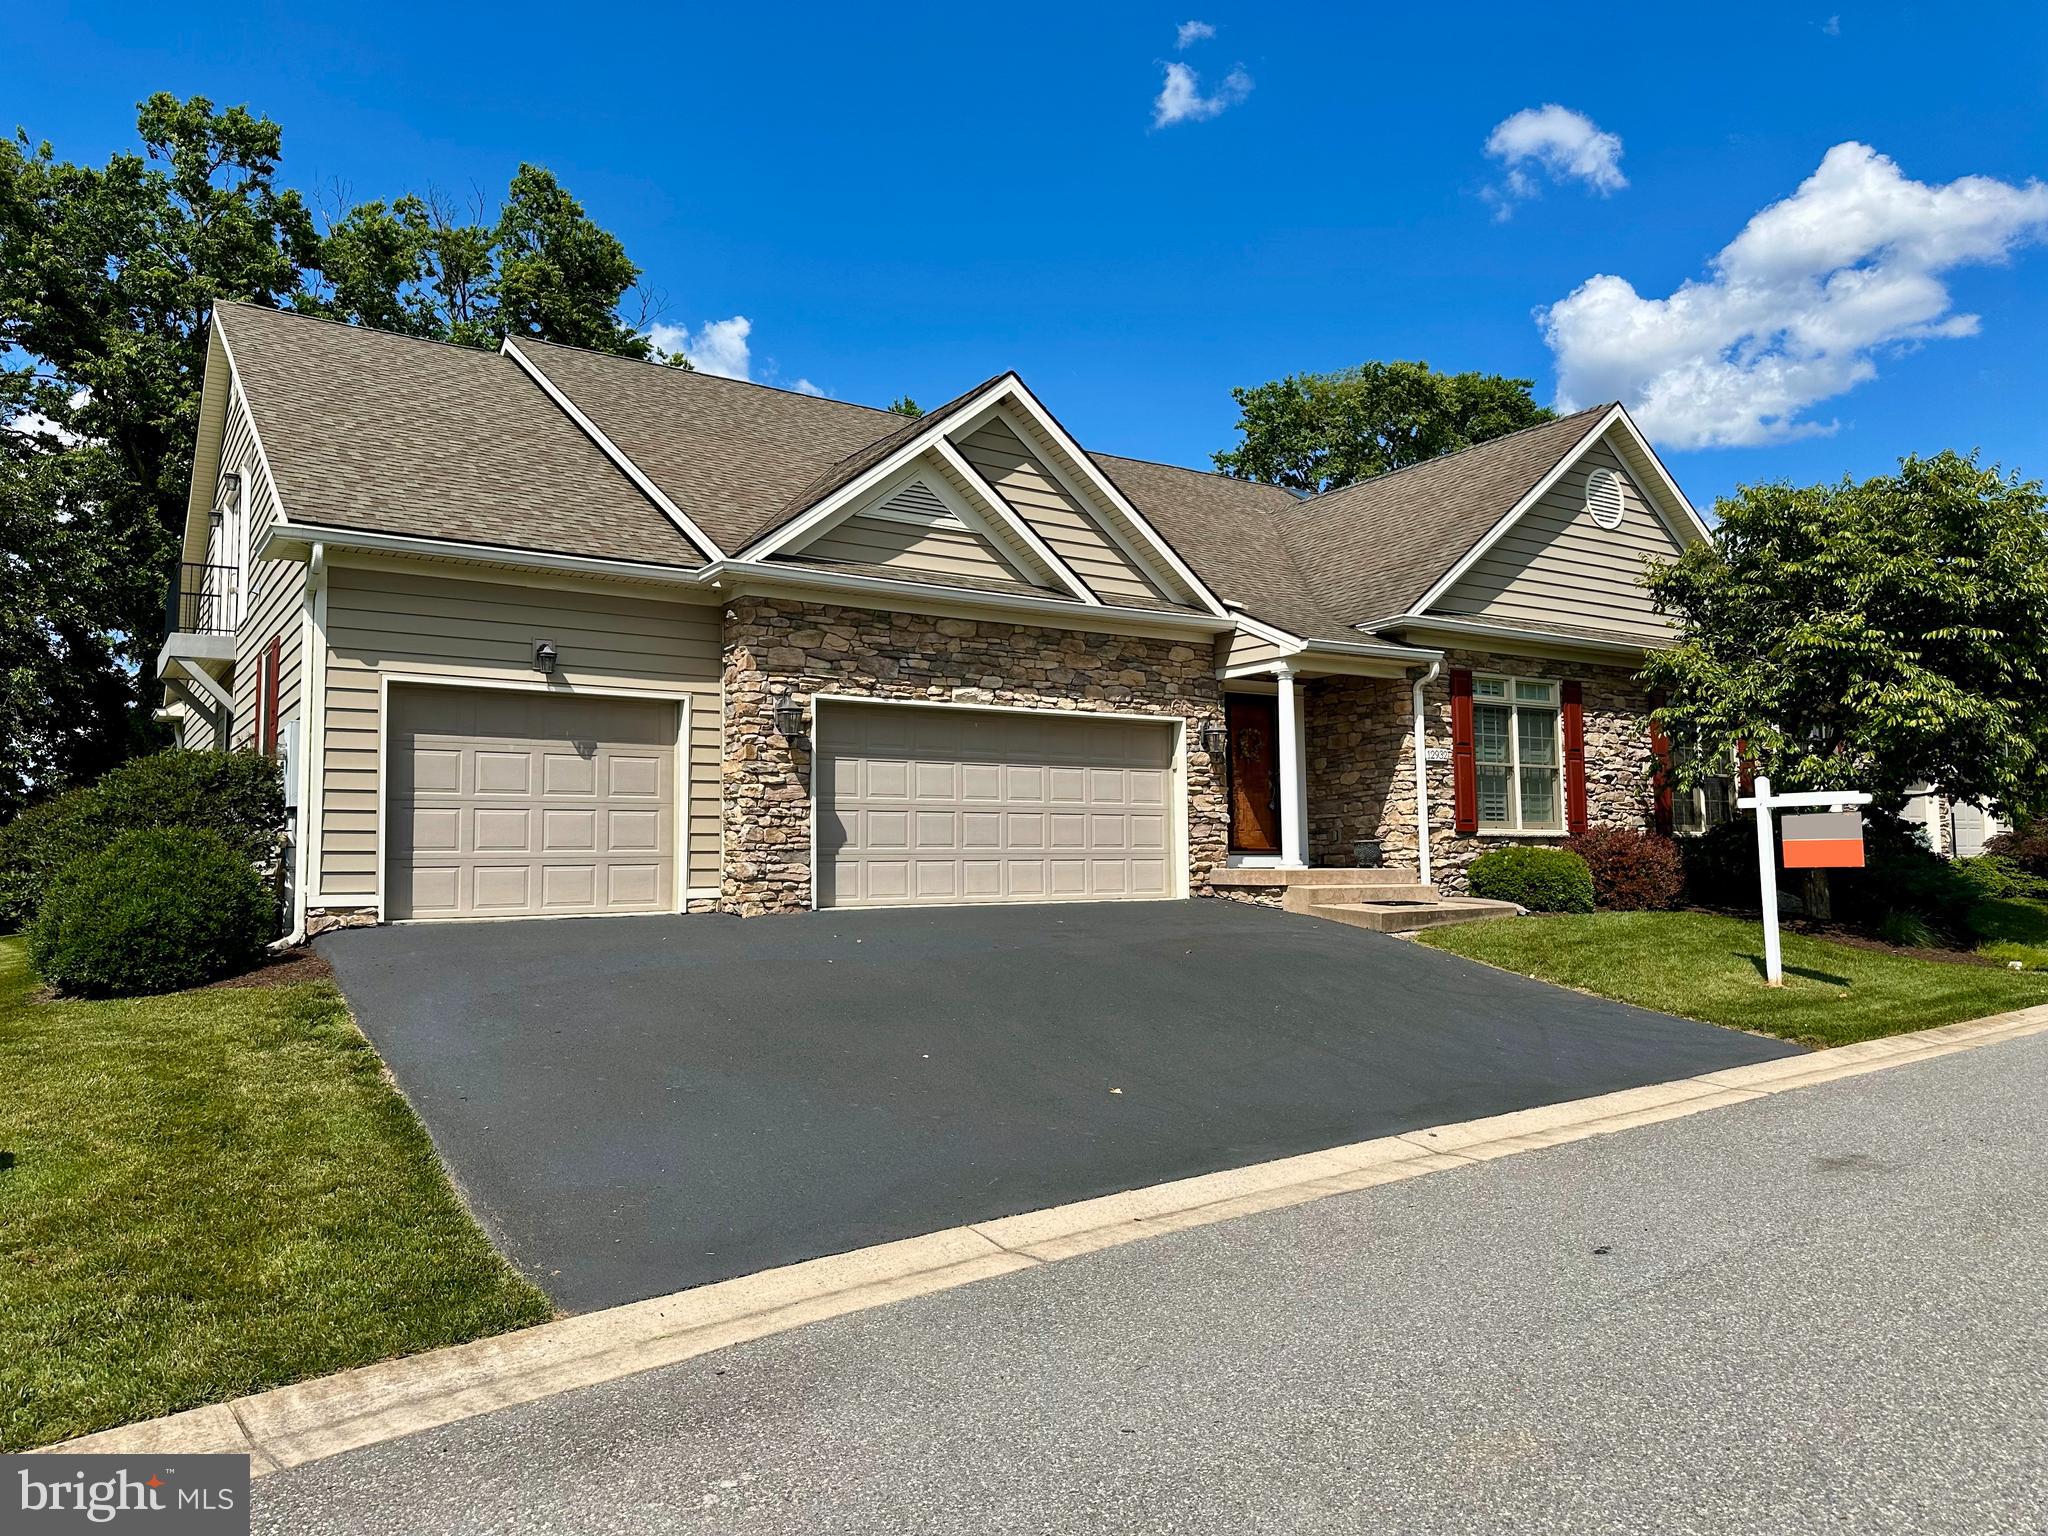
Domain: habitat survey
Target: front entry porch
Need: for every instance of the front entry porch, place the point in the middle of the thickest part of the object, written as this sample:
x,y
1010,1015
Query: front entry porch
x,y
1351,741
1384,900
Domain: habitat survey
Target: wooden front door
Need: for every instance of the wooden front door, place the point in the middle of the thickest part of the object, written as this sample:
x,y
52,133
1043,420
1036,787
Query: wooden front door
x,y
1254,722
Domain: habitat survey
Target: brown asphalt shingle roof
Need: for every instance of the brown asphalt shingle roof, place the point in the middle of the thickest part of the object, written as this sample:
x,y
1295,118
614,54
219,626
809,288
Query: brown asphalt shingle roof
x,y
396,435
1373,549
369,430
737,458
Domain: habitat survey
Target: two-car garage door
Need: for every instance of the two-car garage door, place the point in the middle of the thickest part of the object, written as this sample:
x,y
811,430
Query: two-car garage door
x,y
938,807
511,803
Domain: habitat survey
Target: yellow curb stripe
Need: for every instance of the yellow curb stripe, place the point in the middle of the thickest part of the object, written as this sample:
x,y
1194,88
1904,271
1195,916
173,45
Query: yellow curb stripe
x,y
311,1420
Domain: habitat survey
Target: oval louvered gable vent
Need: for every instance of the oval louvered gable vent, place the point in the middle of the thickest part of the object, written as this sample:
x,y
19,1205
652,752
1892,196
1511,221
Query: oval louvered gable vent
x,y
1604,499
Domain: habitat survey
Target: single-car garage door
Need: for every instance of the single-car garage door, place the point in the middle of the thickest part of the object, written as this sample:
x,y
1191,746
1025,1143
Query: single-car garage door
x,y
938,806
525,804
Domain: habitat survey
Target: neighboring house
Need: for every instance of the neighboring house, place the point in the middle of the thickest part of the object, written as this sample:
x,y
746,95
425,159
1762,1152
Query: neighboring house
x,y
546,631
1958,829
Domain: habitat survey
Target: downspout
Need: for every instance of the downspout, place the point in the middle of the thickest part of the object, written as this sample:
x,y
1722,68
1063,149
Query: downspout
x,y
1422,681
312,687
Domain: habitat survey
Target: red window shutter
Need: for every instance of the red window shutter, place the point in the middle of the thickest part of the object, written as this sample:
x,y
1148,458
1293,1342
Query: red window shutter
x,y
272,662
1464,765
1660,776
1574,757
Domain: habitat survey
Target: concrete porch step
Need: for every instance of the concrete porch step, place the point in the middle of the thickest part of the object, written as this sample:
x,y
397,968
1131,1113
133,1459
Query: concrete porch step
x,y
1251,879
1306,898
1406,917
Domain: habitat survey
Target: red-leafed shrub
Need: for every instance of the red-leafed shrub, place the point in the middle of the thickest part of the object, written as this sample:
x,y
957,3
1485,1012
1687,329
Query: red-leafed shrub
x,y
1632,871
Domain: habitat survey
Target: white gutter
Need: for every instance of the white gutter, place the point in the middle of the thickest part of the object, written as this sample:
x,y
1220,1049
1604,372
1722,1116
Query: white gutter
x,y
1427,622
1053,613
1422,775
312,701
304,534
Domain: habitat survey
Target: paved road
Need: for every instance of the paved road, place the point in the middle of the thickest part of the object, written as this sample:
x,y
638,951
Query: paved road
x,y
1818,1311
639,1105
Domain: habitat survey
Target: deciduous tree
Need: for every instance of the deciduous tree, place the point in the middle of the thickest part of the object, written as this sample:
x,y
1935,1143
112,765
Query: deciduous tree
x,y
1314,432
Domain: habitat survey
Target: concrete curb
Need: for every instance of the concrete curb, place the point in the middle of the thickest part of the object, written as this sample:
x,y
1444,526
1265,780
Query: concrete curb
x,y
289,1426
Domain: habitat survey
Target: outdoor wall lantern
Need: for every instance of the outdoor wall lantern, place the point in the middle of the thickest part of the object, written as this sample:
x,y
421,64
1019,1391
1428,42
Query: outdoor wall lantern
x,y
1215,740
789,719
544,656
227,494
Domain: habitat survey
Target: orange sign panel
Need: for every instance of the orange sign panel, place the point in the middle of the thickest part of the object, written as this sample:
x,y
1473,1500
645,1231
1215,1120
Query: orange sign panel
x,y
1825,840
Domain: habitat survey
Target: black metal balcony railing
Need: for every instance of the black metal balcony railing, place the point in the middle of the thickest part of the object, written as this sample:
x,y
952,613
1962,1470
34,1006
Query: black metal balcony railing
x,y
203,600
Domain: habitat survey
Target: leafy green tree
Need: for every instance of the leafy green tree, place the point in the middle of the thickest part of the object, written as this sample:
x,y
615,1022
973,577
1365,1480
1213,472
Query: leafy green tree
x,y
543,268
903,405
1314,432
1870,635
107,279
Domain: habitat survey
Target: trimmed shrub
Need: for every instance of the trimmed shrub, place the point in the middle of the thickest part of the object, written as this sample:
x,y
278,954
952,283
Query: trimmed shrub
x,y
2000,877
2026,845
237,794
1720,866
153,911
1632,871
36,846
240,795
1541,879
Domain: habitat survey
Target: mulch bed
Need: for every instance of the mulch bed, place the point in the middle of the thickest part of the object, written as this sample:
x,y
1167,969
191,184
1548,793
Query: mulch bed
x,y
285,968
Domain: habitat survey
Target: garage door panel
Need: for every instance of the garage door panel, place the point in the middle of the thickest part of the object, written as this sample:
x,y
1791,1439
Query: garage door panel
x,y
638,777
632,831
941,806
501,829
568,830
543,805
568,773
503,887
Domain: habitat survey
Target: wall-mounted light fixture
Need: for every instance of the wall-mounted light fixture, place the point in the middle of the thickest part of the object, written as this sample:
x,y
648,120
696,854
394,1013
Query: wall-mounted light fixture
x,y
544,656
1215,740
789,719
227,492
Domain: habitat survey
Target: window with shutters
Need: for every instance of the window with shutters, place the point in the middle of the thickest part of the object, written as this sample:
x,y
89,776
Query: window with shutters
x,y
1518,754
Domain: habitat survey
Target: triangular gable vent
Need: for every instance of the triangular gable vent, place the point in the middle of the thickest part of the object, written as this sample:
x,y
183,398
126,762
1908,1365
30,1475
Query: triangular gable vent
x,y
916,502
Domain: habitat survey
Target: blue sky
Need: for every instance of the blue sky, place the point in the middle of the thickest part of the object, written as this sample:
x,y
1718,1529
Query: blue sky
x,y
912,199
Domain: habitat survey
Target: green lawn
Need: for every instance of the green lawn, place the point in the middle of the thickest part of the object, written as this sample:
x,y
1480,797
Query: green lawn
x,y
1711,968
211,1193
2012,929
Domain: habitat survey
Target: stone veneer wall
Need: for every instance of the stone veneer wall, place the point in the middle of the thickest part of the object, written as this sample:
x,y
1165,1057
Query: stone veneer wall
x,y
1361,771
778,647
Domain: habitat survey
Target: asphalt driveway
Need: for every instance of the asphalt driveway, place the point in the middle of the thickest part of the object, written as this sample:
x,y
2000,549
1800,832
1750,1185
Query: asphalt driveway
x,y
638,1105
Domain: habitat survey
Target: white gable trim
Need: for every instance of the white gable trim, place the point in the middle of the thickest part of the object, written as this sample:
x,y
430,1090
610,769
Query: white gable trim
x,y
1265,631
992,524
705,545
241,397
800,527
997,508
1665,486
1102,492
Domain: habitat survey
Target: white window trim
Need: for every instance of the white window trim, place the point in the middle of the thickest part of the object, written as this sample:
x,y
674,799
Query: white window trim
x,y
1513,705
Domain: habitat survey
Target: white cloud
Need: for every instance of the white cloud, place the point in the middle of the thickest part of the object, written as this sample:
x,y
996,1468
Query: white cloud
x,y
1832,26
1796,308
1181,99
1192,32
1569,145
36,424
716,347
806,387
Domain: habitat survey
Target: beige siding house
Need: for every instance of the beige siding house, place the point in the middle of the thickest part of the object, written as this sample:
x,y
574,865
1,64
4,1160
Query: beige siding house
x,y
547,633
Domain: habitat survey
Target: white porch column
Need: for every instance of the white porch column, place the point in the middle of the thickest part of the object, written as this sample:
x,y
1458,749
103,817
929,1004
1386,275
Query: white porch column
x,y
1293,768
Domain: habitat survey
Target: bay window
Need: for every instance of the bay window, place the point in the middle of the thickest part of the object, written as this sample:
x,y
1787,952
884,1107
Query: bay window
x,y
1518,755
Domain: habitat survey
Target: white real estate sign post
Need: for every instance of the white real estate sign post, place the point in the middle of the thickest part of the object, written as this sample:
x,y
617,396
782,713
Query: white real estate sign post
x,y
1764,802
